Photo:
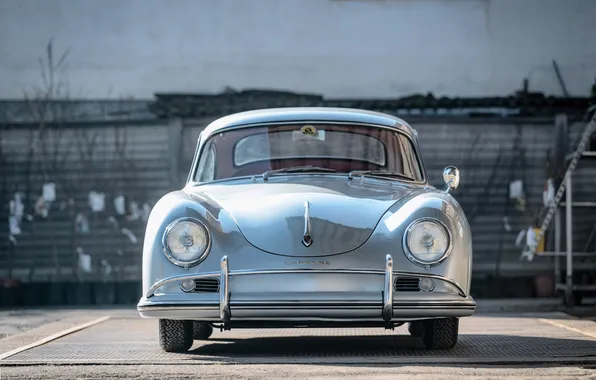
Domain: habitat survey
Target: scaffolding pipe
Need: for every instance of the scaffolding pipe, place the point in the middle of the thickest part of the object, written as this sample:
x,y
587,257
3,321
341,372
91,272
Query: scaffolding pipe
x,y
557,247
569,238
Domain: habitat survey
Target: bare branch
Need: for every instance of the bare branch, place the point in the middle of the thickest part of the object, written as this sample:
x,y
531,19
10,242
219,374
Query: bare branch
x,y
63,58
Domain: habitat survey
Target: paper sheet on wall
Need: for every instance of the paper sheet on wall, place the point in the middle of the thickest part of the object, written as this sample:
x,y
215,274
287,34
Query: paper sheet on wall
x,y
16,206
13,225
97,201
49,192
516,189
84,261
119,205
531,238
548,195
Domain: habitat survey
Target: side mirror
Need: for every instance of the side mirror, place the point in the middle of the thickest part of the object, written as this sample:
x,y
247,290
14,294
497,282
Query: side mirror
x,y
451,178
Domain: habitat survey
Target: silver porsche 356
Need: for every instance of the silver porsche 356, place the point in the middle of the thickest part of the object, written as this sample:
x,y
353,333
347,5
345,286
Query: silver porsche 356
x,y
308,217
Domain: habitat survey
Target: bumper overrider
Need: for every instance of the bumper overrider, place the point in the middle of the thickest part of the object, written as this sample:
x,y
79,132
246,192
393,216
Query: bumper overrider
x,y
387,308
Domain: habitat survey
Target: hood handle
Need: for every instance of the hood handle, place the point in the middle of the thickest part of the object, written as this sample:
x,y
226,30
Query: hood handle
x,y
307,237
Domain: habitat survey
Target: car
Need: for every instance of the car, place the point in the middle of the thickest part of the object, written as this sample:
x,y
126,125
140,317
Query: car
x,y
308,217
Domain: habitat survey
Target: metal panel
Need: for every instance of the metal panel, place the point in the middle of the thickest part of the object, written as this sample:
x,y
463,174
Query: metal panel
x,y
118,159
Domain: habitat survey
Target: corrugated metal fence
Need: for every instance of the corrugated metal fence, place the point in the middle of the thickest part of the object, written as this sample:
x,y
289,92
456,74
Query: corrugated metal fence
x,y
93,165
90,188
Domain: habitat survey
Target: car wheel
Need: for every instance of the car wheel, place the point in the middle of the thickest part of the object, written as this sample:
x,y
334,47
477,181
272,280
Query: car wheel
x,y
416,328
440,334
175,336
201,330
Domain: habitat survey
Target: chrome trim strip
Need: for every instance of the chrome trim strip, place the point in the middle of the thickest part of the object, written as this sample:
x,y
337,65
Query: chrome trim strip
x,y
298,306
417,305
388,289
246,272
323,304
224,293
171,307
280,304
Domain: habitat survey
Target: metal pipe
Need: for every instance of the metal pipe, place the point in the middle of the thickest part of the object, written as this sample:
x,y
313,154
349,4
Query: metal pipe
x,y
560,78
569,237
557,247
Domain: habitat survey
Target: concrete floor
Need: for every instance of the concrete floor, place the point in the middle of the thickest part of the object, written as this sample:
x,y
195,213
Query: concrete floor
x,y
492,344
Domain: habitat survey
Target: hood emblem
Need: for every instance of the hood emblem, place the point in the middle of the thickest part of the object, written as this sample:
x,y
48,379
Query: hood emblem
x,y
307,237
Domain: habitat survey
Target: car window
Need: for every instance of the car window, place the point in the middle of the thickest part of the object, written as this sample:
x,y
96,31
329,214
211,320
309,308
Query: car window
x,y
296,144
410,164
206,170
343,147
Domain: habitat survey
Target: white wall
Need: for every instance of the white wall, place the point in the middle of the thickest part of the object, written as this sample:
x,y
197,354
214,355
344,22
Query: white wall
x,y
340,48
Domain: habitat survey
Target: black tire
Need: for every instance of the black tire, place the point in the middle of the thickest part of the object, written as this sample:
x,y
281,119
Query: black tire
x,y
416,328
440,334
175,336
201,330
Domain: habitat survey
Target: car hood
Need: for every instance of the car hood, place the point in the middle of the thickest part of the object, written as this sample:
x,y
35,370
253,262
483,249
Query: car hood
x,y
342,213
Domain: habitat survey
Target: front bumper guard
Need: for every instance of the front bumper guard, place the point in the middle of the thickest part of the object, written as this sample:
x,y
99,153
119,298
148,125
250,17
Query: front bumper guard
x,y
224,291
224,274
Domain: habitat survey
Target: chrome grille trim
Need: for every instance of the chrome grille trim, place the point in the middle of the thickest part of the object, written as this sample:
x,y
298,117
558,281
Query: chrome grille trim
x,y
406,284
207,285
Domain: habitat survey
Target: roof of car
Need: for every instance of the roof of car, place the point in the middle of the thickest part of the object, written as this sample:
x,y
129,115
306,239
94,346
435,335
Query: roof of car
x,y
307,114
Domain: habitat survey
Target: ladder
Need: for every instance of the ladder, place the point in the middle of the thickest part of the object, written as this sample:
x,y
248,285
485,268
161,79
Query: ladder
x,y
530,249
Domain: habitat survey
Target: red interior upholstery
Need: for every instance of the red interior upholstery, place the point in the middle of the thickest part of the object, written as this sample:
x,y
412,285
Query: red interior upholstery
x,y
338,165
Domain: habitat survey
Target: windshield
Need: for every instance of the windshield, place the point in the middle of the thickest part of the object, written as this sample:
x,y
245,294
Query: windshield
x,y
343,148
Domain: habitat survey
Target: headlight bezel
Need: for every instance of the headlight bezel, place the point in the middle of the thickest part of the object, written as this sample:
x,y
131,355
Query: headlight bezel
x,y
168,252
412,257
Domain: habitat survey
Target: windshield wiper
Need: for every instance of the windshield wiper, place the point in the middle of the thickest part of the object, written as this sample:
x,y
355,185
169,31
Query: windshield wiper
x,y
291,169
379,173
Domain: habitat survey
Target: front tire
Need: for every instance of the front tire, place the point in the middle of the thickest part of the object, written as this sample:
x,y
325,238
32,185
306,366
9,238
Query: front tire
x,y
416,328
201,330
175,336
440,334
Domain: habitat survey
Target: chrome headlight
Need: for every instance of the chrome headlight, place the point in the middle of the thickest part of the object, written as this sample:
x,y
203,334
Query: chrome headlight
x,y
427,242
186,242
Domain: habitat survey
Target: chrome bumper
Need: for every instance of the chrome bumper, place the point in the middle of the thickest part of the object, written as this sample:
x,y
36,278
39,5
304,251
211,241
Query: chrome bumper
x,y
386,309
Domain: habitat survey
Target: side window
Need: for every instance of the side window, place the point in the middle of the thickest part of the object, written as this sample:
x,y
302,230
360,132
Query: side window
x,y
410,164
206,169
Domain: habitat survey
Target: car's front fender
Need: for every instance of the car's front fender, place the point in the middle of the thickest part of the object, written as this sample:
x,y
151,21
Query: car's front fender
x,y
389,234
224,234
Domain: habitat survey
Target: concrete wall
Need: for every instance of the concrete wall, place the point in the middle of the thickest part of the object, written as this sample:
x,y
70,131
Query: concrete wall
x,y
351,48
